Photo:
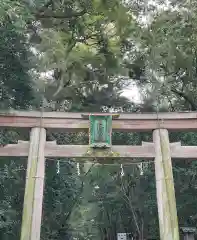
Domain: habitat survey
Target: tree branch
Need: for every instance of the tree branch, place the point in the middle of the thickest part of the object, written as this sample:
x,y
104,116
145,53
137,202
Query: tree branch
x,y
40,15
171,104
45,6
186,98
126,198
61,83
77,198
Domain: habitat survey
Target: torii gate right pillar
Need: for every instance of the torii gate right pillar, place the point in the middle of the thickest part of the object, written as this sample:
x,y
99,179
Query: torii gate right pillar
x,y
166,201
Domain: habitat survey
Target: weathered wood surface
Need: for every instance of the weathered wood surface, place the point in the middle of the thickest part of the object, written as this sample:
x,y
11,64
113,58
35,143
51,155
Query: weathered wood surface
x,y
145,151
32,209
77,151
123,116
125,122
166,201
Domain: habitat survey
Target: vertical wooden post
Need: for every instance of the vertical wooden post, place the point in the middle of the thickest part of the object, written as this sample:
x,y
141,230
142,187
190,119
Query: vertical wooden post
x,y
32,209
166,201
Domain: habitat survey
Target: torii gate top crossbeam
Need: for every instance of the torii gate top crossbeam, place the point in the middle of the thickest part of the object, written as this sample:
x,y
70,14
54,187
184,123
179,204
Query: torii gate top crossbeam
x,y
75,121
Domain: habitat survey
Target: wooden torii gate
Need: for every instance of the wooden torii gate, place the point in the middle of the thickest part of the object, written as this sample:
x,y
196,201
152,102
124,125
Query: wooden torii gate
x,y
37,148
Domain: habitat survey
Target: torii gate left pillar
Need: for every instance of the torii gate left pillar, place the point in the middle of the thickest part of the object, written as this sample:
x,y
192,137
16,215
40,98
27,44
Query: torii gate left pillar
x,y
32,207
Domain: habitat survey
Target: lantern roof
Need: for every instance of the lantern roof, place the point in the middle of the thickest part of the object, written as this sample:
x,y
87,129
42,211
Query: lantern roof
x,y
114,115
188,229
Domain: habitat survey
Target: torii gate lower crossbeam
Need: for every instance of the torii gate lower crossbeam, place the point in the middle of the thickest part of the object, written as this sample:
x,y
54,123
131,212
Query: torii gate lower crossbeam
x,y
160,150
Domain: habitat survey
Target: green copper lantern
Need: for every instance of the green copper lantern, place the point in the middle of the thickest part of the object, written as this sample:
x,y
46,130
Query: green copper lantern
x,y
100,131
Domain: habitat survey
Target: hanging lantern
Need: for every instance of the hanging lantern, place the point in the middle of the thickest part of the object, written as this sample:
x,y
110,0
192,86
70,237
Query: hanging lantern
x,y
100,130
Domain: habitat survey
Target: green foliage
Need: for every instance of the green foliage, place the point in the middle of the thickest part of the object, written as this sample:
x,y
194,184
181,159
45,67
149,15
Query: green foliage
x,y
164,63
16,87
83,53
12,191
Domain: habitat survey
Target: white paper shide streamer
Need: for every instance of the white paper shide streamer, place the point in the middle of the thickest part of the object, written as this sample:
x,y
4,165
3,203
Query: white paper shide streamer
x,y
58,167
122,170
78,169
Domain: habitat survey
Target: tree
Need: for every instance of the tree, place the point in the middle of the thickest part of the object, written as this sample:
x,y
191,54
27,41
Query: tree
x,y
80,45
16,85
165,63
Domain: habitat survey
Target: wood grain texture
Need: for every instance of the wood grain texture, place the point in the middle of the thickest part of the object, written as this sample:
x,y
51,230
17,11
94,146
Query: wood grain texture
x,y
75,122
15,150
122,116
166,201
145,151
32,209
77,151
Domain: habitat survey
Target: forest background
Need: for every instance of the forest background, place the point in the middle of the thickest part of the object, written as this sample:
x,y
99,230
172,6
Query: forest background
x,y
95,55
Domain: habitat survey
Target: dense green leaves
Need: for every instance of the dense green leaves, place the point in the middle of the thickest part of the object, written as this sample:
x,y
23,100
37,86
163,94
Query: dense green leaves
x,y
16,86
